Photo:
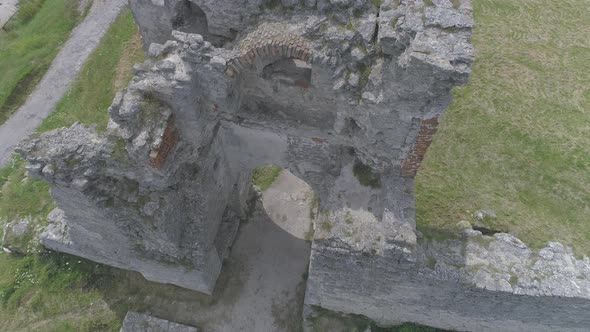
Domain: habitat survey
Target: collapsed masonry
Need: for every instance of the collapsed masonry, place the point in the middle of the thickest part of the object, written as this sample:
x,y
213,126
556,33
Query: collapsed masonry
x,y
344,94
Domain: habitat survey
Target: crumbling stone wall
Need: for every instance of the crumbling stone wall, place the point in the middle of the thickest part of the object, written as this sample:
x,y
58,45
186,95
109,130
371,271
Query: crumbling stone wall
x,y
469,282
345,95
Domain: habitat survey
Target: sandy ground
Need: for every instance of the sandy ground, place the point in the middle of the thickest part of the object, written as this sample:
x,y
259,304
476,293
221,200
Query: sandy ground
x,y
262,283
288,203
63,70
7,9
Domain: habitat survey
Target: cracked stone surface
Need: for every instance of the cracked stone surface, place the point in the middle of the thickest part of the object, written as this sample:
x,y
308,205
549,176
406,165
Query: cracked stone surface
x,y
347,97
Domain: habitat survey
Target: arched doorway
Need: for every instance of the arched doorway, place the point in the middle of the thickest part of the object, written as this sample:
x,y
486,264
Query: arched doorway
x,y
189,18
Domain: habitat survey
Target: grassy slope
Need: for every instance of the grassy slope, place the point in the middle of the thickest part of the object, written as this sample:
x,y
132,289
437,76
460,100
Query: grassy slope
x,y
95,87
517,137
33,39
54,292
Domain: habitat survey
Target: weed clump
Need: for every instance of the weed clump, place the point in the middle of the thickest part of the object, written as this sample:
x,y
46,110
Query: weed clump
x,y
264,176
324,222
366,176
348,218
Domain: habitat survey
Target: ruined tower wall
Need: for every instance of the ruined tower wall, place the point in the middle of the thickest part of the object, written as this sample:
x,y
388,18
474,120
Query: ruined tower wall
x,y
471,283
171,175
398,297
217,20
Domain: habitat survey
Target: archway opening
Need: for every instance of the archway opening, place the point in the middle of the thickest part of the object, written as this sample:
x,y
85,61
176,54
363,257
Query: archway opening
x,y
190,18
289,71
289,202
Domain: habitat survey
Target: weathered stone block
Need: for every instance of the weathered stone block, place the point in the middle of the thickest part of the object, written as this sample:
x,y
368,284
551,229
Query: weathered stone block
x,y
138,322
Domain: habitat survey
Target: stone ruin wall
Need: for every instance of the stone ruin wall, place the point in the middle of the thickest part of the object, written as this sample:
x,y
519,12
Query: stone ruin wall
x,y
469,283
163,191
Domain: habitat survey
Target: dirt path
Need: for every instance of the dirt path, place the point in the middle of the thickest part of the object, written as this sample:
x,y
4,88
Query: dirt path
x,y
64,69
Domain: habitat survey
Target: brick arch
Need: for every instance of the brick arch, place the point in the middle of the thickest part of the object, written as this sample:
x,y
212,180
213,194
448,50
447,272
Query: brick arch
x,y
268,44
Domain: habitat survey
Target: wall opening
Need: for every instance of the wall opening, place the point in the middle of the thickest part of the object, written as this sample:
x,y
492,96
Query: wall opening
x,y
292,72
190,18
289,202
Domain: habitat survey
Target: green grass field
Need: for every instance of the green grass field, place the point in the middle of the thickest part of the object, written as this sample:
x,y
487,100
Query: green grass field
x,y
28,44
517,137
51,291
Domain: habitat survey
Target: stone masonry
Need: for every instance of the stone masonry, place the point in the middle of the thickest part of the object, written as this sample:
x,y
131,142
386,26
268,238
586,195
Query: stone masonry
x,y
344,94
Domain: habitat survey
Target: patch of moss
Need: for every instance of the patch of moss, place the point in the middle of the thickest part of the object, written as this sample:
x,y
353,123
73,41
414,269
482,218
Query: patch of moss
x,y
313,207
326,225
337,23
273,4
151,108
324,221
187,263
365,175
310,233
363,49
120,150
475,267
434,234
72,162
348,218
393,22
351,25
513,280
365,72
430,262
264,176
